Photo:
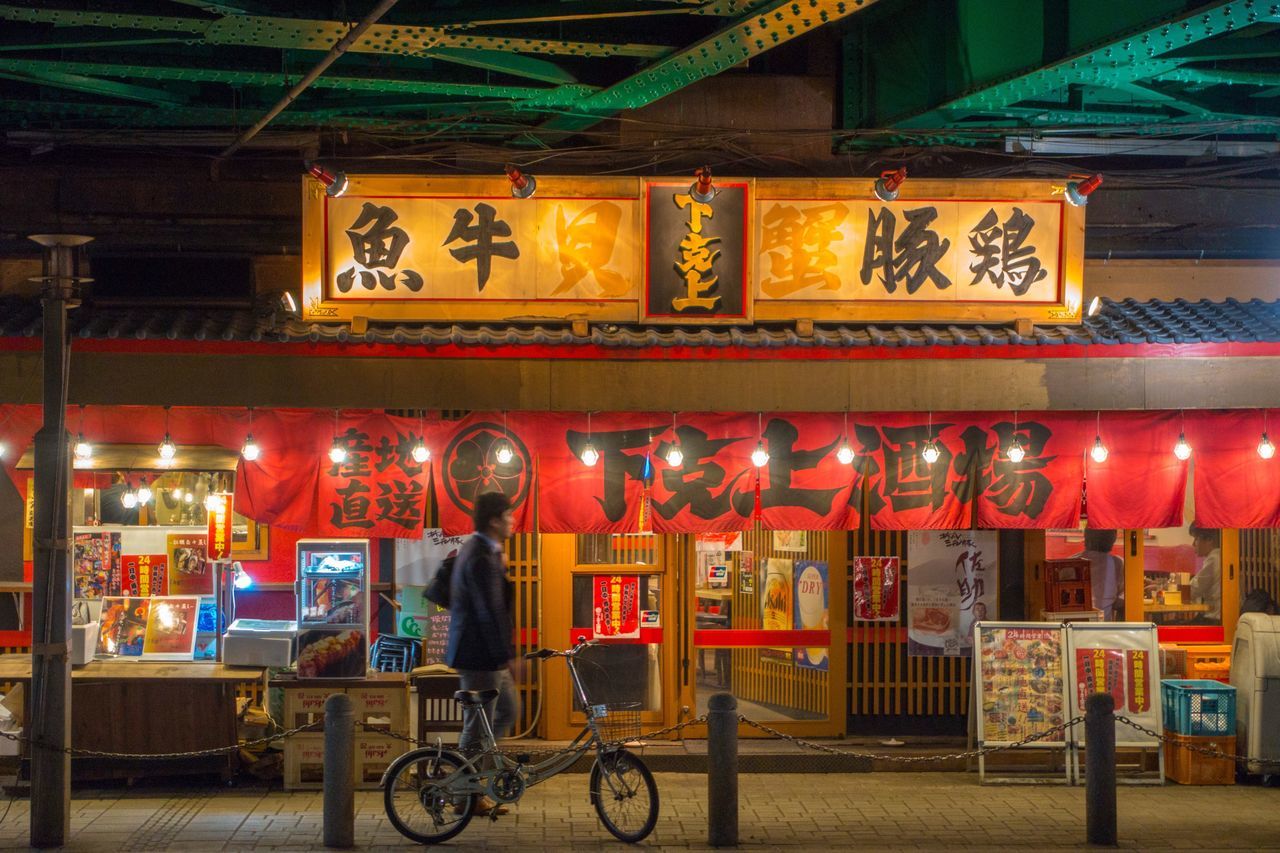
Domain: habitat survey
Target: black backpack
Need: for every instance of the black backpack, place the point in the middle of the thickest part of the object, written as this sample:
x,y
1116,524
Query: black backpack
x,y
438,588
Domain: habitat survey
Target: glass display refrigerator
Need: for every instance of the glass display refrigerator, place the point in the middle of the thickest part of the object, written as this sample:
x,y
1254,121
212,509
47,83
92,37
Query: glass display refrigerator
x,y
333,608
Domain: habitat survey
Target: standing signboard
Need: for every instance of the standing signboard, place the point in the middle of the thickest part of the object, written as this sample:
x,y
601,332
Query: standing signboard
x,y
1123,659
1019,685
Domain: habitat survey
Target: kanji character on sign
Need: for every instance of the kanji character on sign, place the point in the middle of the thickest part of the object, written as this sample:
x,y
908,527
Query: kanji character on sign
x,y
912,257
1002,254
378,250
400,502
784,461
353,508
585,245
697,258
692,483
480,236
799,247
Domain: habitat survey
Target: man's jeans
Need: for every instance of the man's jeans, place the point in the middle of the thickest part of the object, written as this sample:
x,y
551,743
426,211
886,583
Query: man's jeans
x,y
502,710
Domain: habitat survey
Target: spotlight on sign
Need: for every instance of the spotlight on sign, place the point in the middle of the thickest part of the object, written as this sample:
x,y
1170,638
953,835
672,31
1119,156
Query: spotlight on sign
x,y
522,185
1078,192
760,456
1265,448
888,184
1099,451
1016,451
702,190
590,456
1182,449
335,183
931,453
1095,305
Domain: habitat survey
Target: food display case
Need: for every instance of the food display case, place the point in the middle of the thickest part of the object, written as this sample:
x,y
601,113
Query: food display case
x,y
333,608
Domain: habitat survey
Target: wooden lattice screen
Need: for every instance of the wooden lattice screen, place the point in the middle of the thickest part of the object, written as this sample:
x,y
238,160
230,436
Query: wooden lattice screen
x,y
1260,562
889,690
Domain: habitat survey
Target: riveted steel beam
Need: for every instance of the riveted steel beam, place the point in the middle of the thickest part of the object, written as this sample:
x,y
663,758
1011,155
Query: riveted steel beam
x,y
95,86
772,24
1128,57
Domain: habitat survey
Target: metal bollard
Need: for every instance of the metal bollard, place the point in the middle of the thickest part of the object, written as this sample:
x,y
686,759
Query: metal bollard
x,y
1100,768
339,772
722,771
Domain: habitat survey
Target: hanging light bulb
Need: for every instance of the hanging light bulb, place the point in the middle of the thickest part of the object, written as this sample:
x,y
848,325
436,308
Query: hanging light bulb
x,y
505,453
590,456
931,453
3,447
1265,448
760,456
1016,451
1099,451
188,497
129,499
168,449
674,457
1182,449
176,494
845,454
337,453
251,451
887,185
144,493
420,452
83,449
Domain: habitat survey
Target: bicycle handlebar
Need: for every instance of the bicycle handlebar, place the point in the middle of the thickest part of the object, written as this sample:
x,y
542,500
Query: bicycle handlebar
x,y
543,654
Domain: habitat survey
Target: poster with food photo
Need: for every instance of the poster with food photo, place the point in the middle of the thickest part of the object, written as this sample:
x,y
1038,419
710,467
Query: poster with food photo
x,y
332,653
189,569
122,628
171,628
952,584
1020,680
95,562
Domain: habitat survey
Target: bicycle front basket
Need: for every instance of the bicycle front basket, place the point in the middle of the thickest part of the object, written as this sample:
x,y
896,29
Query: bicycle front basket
x,y
621,722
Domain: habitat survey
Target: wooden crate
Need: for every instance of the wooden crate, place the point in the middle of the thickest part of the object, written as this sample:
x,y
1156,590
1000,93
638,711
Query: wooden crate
x,y
1209,662
374,753
304,762
303,705
1193,768
385,706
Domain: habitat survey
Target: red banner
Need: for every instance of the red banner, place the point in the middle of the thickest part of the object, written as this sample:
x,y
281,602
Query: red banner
x,y
218,517
1135,442
615,606
875,589
1234,485
377,489
486,453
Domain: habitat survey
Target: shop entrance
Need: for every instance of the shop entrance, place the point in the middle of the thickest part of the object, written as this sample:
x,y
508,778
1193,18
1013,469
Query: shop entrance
x,y
760,615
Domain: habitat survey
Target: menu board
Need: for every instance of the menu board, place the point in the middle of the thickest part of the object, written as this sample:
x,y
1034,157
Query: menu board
x,y
418,617
1123,659
1020,684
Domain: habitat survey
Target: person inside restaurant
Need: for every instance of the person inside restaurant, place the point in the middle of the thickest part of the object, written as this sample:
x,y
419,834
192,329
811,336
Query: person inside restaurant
x,y
1106,572
1206,585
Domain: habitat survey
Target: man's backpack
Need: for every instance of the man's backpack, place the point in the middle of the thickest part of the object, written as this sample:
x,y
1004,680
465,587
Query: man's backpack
x,y
437,589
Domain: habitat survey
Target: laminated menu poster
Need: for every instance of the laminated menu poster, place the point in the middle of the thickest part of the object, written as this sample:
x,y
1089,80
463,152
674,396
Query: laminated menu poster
x,y
952,584
144,574
189,569
1119,658
875,589
1020,684
122,628
616,606
171,628
95,562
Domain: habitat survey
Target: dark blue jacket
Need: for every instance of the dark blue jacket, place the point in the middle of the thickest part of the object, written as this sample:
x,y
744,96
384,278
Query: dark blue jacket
x,y
480,626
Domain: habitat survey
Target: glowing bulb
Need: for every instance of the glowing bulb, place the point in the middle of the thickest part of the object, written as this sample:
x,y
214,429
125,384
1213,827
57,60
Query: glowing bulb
x,y
213,503
337,453
1182,449
83,449
504,454
845,453
590,456
674,457
420,452
144,494
3,448
1099,451
188,497
760,456
251,451
176,494
243,579
129,499
931,453
1016,451
1265,448
168,449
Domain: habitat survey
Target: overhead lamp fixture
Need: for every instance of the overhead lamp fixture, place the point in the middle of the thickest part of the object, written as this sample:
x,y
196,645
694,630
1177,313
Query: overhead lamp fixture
x,y
176,494
1099,451
845,454
420,452
3,449
931,453
167,448
1016,451
759,456
590,456
129,500
674,457
1095,305
1265,448
214,502
888,184
335,183
505,453
83,450
250,451
1077,192
144,493
337,451
188,497
522,185
702,190
284,302
1182,449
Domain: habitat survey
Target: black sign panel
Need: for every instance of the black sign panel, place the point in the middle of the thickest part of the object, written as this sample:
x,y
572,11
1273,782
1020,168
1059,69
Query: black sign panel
x,y
695,254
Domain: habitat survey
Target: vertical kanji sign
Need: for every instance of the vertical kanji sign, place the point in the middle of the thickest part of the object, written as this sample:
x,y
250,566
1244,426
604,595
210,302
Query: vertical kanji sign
x,y
377,489
616,606
875,589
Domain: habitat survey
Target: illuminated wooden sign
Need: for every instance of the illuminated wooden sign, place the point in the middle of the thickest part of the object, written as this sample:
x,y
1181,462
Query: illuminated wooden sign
x,y
406,248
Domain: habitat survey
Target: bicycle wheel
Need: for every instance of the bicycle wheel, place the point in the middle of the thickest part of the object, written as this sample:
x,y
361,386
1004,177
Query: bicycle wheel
x,y
417,805
625,796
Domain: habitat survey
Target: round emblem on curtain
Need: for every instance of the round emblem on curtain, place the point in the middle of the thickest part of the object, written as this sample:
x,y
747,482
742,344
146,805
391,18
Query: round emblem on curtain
x,y
472,466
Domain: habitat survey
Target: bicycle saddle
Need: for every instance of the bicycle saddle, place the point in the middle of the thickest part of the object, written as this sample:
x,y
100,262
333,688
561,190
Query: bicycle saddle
x,y
475,697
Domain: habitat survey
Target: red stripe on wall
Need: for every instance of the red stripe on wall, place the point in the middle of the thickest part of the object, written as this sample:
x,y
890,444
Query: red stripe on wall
x,y
647,635
738,638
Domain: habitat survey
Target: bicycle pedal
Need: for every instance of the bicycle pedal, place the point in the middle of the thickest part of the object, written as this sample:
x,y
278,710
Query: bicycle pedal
x,y
522,757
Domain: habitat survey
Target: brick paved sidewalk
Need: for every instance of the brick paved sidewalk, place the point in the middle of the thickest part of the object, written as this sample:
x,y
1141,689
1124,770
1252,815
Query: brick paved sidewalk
x,y
881,811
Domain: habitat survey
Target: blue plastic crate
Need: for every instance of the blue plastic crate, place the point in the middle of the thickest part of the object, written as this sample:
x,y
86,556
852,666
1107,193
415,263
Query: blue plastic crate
x,y
1198,707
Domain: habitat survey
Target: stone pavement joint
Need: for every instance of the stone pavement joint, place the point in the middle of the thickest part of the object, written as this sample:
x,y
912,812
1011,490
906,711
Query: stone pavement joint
x,y
879,811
